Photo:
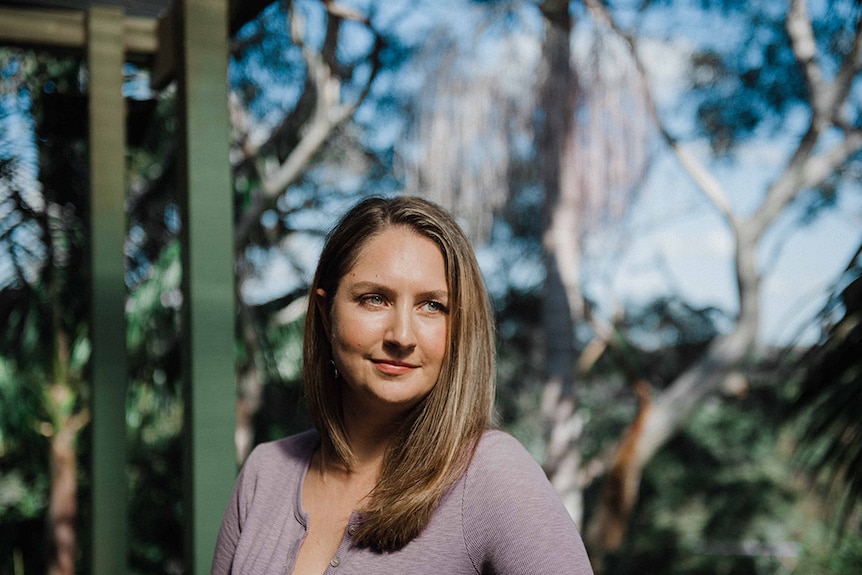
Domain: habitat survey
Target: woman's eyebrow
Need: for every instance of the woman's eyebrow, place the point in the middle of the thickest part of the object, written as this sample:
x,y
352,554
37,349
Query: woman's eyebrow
x,y
369,286
436,295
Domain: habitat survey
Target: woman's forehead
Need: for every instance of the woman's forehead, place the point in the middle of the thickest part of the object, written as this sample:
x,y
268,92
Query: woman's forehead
x,y
399,254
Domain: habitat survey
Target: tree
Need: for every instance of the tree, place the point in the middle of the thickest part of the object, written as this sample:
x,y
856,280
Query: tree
x,y
830,140
44,332
589,173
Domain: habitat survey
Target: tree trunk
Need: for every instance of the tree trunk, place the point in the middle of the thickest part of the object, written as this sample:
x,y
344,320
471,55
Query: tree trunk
x,y
249,385
66,419
63,505
609,523
563,303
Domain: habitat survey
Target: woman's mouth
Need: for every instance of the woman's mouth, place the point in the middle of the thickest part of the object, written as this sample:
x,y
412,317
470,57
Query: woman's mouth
x,y
393,367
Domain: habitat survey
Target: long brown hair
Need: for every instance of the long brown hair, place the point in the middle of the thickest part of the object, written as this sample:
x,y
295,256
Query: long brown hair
x,y
434,444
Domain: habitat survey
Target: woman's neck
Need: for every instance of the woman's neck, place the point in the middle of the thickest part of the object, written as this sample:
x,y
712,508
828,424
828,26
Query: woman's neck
x,y
369,437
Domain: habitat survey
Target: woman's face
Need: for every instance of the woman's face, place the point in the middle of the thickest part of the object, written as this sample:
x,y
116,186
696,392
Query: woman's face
x,y
389,321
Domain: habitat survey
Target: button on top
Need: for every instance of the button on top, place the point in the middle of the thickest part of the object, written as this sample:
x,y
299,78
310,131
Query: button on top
x,y
335,562
352,530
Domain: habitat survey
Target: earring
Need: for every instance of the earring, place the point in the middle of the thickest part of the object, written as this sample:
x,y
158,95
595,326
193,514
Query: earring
x,y
334,369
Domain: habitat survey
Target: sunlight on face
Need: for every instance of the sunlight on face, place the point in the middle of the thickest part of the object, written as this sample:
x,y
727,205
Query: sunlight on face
x,y
389,322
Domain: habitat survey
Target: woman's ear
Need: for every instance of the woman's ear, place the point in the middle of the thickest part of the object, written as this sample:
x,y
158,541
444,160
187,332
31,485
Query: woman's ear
x,y
322,303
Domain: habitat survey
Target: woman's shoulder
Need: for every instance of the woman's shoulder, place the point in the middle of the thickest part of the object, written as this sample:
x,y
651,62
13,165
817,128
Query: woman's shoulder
x,y
504,475
499,451
512,517
497,438
291,451
504,482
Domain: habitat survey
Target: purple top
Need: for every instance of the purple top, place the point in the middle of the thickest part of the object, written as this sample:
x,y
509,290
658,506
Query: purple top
x,y
501,517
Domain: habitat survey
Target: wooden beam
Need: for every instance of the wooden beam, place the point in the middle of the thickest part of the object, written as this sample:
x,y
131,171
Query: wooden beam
x,y
141,35
107,141
54,28
68,29
165,60
206,200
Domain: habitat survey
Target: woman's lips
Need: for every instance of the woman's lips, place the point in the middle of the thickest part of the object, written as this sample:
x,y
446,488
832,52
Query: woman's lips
x,y
392,367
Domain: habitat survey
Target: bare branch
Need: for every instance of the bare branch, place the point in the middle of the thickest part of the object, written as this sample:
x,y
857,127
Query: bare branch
x,y
79,421
803,175
708,184
848,69
806,170
329,113
804,47
702,177
346,12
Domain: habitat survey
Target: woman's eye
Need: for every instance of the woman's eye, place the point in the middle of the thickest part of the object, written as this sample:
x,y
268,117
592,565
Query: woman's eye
x,y
435,307
373,300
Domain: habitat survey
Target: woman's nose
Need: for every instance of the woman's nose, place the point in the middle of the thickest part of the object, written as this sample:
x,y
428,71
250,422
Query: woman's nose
x,y
401,331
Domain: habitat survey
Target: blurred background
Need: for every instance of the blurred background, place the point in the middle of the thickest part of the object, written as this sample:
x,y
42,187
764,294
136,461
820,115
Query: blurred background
x,y
665,198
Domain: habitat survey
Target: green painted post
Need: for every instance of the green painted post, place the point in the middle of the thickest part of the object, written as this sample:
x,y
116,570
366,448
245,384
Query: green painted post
x,y
108,224
208,281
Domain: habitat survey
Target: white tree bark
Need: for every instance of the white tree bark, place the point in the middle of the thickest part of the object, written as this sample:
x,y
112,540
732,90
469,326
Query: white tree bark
x,y
563,301
589,171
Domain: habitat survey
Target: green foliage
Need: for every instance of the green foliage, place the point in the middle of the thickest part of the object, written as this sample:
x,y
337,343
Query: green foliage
x,y
153,213
154,416
751,83
23,462
154,408
43,296
829,402
282,410
827,557
661,339
723,498
154,421
153,323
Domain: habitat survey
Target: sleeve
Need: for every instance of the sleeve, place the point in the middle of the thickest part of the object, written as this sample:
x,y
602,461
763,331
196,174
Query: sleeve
x,y
233,519
514,522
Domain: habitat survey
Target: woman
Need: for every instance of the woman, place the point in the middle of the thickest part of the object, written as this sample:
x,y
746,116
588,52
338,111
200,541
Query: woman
x,y
400,474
